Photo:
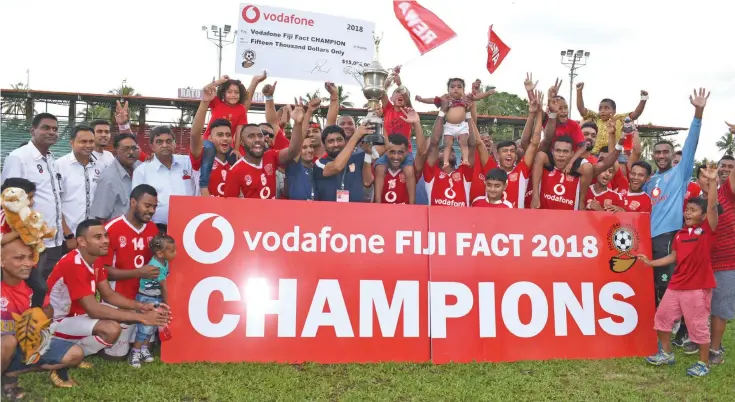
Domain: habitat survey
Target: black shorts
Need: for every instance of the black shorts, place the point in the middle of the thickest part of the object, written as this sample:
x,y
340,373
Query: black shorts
x,y
57,350
662,275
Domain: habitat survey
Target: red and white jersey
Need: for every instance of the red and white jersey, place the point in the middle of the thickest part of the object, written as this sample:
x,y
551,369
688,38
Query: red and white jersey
x,y
128,250
477,187
4,226
518,180
395,190
253,181
484,202
70,280
448,189
217,178
559,190
607,198
637,202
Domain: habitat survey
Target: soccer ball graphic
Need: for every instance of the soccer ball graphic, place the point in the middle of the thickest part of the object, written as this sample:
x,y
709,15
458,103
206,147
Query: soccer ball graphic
x,y
623,240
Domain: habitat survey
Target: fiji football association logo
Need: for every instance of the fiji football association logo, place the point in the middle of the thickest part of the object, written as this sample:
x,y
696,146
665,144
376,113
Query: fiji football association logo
x,y
624,240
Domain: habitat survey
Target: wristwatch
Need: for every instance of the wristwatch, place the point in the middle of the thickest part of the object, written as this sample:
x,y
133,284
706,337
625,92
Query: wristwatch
x,y
69,236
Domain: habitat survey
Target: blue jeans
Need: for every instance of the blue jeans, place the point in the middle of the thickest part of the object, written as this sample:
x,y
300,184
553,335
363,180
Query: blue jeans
x,y
57,350
143,332
383,160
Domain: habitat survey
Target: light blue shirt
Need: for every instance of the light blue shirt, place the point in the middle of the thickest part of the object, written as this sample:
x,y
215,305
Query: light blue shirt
x,y
152,287
667,188
181,179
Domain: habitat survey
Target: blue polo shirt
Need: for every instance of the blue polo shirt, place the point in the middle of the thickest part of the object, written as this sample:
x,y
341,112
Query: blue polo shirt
x,y
349,179
300,181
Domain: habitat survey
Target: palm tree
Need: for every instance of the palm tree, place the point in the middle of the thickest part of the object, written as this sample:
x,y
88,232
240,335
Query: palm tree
x,y
725,143
320,114
341,98
123,91
15,106
92,112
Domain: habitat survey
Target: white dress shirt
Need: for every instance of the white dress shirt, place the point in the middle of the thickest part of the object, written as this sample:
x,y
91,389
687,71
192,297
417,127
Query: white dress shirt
x,y
181,179
78,184
103,159
28,163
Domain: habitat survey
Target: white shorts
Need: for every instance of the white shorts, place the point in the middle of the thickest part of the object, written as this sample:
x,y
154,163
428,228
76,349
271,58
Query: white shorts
x,y
122,345
456,130
78,329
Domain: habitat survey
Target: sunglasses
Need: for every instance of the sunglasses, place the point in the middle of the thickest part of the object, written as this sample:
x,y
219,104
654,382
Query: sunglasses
x,y
267,134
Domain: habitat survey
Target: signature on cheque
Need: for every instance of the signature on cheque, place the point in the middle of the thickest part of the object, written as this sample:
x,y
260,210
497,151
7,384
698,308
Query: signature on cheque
x,y
319,67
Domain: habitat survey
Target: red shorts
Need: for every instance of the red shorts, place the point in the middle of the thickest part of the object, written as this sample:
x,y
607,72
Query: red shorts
x,y
694,305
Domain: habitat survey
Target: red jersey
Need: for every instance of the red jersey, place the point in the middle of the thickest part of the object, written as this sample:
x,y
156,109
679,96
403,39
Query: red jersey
x,y
607,198
128,250
13,299
570,128
477,185
637,202
217,178
71,279
592,159
723,252
518,180
448,189
559,190
483,202
693,246
253,181
619,183
393,124
4,227
236,114
395,190
280,141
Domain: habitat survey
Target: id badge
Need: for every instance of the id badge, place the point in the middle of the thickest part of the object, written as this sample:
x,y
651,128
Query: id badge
x,y
343,196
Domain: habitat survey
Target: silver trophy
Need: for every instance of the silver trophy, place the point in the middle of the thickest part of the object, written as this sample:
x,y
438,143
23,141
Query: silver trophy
x,y
373,87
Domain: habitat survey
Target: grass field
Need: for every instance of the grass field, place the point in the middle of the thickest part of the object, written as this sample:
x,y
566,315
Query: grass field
x,y
561,380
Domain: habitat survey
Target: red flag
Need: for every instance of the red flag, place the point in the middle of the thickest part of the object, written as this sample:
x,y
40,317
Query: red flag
x,y
426,29
496,51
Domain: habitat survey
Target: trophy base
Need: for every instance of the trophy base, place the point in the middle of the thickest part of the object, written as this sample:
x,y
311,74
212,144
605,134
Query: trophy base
x,y
375,139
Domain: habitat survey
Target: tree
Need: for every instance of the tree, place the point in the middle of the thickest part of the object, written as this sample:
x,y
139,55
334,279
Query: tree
x,y
92,112
725,143
321,114
341,98
123,91
15,106
502,104
648,142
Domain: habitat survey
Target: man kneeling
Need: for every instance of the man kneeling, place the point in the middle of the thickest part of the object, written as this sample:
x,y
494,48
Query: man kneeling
x,y
72,286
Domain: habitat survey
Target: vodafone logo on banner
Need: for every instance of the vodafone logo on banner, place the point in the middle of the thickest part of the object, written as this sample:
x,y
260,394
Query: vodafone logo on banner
x,y
203,257
251,14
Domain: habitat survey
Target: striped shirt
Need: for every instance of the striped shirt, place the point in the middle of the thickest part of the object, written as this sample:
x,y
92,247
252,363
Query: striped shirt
x,y
723,252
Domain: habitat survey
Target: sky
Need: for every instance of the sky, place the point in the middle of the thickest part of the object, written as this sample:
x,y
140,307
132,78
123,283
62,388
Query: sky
x,y
158,46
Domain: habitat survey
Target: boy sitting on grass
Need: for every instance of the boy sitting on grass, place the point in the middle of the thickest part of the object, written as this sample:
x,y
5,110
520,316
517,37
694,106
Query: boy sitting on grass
x,y
690,290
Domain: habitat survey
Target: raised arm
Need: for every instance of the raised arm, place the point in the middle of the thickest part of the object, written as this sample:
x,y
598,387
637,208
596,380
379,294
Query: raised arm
x,y
252,88
684,168
414,120
580,100
635,154
533,146
340,162
432,154
536,171
634,115
428,101
196,144
297,137
712,213
333,111
271,117
613,148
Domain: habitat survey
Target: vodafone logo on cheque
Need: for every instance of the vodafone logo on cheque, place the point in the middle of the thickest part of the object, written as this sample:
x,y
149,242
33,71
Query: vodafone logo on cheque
x,y
251,14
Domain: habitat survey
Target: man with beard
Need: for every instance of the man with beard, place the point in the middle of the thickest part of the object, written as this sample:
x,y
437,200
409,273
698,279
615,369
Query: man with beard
x,y
667,189
391,184
78,315
35,162
557,190
254,175
112,196
635,199
600,197
518,174
102,136
448,185
80,174
215,161
343,175
128,253
17,263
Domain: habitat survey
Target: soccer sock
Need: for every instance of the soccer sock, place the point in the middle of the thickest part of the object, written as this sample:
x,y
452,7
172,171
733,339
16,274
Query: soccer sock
x,y
63,374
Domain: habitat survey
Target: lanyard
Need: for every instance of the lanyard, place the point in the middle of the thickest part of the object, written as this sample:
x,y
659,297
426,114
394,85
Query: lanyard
x,y
342,184
57,199
310,173
86,193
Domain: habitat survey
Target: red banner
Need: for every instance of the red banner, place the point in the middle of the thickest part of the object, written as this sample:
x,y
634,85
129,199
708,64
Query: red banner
x,y
300,281
496,50
426,29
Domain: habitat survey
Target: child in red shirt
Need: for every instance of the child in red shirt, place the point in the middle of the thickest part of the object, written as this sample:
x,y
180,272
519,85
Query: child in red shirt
x,y
690,288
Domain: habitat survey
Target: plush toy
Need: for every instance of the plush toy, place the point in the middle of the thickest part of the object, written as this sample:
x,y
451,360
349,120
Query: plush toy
x,y
33,331
28,223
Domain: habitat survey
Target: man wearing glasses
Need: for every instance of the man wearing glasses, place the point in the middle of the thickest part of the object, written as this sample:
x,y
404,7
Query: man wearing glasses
x,y
112,196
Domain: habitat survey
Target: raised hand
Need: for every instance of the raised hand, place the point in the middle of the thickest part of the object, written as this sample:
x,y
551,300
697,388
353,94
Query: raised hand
x,y
731,127
528,82
208,93
122,116
224,78
612,128
699,100
297,114
553,104
269,90
554,90
331,89
411,116
260,78
644,92
364,129
476,86
580,86
709,172
314,103
535,100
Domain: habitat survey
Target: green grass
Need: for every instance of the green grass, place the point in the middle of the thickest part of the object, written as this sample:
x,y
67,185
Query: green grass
x,y
560,380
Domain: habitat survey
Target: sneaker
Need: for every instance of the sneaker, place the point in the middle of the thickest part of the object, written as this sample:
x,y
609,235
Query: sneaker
x,y
85,365
61,379
699,369
134,359
691,348
680,342
661,358
146,356
716,357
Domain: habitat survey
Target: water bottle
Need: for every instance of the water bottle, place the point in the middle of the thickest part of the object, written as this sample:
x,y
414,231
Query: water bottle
x,y
628,133
164,333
